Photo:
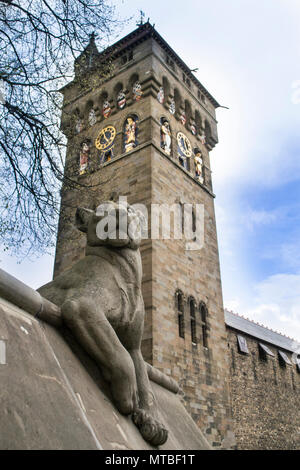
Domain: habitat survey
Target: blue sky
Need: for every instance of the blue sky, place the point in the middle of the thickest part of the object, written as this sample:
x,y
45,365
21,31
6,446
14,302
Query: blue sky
x,y
248,54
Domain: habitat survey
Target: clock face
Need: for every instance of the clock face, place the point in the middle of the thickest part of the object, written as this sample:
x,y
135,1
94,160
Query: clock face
x,y
184,144
105,138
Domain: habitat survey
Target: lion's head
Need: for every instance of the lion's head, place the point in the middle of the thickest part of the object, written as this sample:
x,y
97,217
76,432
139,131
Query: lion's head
x,y
112,223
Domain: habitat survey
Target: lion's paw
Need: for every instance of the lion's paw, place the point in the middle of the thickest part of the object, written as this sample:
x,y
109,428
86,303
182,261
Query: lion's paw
x,y
151,430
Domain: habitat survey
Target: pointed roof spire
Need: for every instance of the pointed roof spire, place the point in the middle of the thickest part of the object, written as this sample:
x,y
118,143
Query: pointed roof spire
x,y
87,58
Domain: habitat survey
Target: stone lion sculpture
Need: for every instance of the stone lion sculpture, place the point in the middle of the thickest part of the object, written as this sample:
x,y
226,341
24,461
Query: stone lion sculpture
x,y
101,303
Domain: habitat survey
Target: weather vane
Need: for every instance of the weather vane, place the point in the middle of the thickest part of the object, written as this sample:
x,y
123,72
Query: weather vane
x,y
142,18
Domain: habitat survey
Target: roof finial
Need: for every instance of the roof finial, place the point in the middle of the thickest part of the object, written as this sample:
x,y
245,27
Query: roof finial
x,y
93,35
141,18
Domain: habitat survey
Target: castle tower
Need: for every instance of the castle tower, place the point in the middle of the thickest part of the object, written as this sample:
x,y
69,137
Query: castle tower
x,y
140,125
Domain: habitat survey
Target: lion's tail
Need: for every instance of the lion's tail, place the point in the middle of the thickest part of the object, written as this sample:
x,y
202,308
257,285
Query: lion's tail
x,y
30,300
162,379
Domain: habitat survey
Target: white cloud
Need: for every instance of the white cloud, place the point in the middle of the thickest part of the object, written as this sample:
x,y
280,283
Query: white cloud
x,y
275,303
253,218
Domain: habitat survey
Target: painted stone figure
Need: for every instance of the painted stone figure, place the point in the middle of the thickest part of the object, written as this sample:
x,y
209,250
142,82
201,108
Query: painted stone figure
x,y
193,129
105,143
106,109
78,126
203,139
92,117
137,91
130,134
183,118
84,158
121,100
161,95
172,107
198,165
165,136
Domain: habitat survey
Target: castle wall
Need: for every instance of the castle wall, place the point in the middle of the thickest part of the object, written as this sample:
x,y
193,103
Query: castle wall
x,y
265,398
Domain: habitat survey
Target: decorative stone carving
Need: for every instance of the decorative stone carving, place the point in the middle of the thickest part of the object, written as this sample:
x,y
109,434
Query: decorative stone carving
x,y
92,117
106,109
165,136
101,302
78,126
203,139
193,129
84,157
137,91
183,118
130,133
161,95
198,165
121,100
172,107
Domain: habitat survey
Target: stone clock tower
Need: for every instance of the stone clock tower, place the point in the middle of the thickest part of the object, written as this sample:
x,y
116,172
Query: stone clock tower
x,y
140,125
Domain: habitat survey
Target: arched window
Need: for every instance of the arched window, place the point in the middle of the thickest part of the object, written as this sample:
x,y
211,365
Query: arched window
x,y
134,78
203,317
177,99
188,112
180,312
207,131
166,87
135,87
198,122
90,114
192,306
119,96
77,121
104,105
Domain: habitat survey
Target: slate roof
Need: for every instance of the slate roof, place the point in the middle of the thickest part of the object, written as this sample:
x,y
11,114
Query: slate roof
x,y
244,325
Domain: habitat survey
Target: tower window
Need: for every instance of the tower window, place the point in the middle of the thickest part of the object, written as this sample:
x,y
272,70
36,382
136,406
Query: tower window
x,y
170,63
193,321
201,96
180,313
126,57
203,316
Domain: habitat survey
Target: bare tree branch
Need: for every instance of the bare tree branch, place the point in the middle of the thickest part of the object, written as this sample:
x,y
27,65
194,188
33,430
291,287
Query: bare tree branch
x,y
39,40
